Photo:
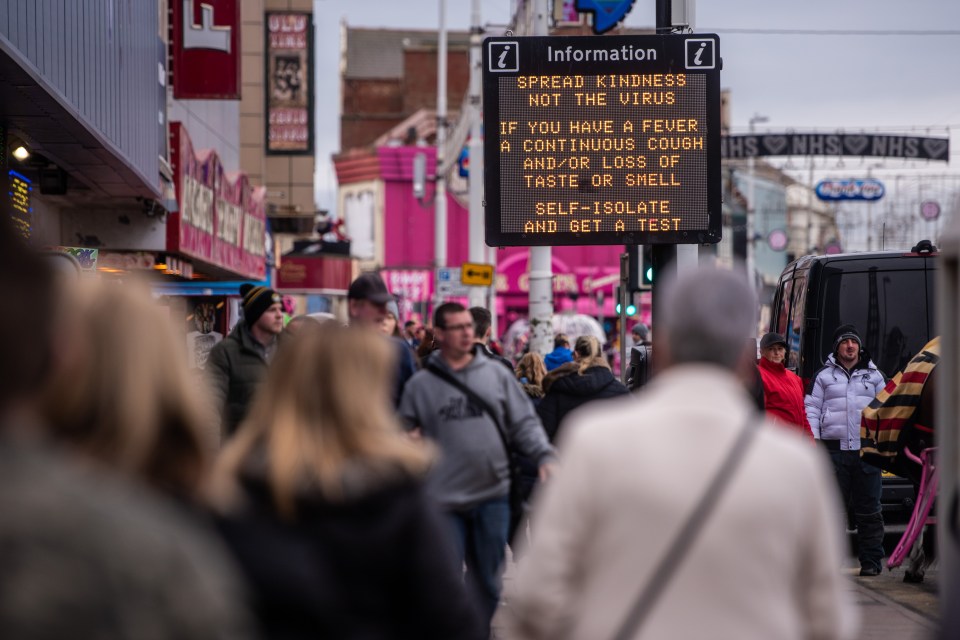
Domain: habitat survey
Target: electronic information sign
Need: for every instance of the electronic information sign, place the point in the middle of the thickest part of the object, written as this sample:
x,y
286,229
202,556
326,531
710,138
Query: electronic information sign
x,y
602,140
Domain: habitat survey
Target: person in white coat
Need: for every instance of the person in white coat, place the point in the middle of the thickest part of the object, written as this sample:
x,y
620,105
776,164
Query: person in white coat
x,y
767,561
839,392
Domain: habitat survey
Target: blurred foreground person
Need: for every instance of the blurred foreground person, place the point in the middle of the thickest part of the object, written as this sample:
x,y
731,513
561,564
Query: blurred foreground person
x,y
238,363
782,389
576,383
84,552
766,562
320,498
139,413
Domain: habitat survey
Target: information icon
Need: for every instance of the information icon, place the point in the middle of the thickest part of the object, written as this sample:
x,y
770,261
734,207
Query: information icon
x,y
701,54
504,57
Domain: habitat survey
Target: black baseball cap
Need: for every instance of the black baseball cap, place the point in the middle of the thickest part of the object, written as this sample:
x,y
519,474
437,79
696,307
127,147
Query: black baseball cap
x,y
369,286
770,339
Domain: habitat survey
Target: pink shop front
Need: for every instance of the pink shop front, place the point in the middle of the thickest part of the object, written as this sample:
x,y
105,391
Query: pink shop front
x,y
584,277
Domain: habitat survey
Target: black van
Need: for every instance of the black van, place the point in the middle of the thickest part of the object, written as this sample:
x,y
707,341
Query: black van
x,y
888,296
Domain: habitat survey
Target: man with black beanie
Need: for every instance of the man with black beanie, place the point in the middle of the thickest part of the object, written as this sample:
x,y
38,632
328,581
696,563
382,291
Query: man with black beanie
x,y
841,389
238,362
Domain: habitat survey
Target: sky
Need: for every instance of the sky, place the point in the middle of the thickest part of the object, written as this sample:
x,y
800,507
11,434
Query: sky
x,y
892,70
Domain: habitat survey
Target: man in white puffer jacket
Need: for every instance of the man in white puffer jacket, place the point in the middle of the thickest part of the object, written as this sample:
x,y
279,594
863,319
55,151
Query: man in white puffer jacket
x,y
840,390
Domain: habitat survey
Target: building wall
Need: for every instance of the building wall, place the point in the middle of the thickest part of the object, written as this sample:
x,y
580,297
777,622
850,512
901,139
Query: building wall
x,y
289,179
213,124
101,58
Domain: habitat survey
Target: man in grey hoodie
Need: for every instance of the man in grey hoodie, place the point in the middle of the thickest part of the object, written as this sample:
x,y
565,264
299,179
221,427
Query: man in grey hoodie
x,y
472,479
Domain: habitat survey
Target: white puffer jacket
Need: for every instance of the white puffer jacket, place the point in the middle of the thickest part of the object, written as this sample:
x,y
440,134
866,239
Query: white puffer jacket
x,y
837,398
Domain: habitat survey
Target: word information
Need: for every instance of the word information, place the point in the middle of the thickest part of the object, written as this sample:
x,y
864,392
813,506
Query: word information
x,y
602,158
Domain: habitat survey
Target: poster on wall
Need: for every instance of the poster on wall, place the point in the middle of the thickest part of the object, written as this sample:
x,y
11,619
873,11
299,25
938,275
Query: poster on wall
x,y
289,83
202,334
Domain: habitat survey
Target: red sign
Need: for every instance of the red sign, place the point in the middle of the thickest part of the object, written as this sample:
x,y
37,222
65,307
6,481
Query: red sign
x,y
206,49
315,274
288,85
221,218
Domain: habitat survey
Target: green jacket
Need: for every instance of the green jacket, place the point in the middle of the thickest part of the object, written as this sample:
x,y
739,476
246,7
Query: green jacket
x,y
236,366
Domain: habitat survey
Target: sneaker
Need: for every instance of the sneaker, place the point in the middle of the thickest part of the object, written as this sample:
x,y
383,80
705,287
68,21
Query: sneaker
x,y
869,571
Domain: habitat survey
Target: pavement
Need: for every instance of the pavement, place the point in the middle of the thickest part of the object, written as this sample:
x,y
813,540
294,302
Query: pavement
x,y
889,607
892,608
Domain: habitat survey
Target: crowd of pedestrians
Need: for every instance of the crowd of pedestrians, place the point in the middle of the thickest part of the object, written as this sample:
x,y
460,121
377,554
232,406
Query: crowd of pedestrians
x,y
364,480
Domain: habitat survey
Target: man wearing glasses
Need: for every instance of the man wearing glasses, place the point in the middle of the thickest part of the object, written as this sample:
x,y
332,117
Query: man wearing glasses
x,y
444,402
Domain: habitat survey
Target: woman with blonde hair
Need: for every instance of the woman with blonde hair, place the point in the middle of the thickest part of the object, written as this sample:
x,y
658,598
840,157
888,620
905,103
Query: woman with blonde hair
x,y
530,372
576,383
319,495
120,392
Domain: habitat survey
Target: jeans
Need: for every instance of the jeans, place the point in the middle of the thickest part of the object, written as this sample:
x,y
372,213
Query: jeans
x,y
480,540
860,488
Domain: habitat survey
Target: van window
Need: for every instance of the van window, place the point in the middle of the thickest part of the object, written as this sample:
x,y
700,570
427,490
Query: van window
x,y
783,313
888,308
794,334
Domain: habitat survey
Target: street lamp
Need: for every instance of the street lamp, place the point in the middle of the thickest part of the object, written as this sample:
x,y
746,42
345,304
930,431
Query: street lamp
x,y
751,207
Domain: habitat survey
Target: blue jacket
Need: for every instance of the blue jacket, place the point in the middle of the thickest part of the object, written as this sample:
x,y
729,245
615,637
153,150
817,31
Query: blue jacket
x,y
557,357
836,399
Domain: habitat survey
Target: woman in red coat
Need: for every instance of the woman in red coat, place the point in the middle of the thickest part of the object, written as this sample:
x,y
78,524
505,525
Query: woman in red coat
x,y
782,389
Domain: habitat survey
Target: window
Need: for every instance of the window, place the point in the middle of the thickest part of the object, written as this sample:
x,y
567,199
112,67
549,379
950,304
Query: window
x,y
783,310
888,308
794,334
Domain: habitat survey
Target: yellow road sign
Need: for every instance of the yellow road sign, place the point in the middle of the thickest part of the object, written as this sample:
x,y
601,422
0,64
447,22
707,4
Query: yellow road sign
x,y
476,275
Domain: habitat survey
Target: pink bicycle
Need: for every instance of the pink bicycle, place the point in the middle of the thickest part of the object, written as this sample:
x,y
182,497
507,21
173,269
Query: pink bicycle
x,y
921,511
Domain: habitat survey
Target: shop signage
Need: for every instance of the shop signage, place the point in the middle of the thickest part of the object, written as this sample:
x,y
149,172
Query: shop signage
x,y
835,144
476,275
602,140
19,190
221,218
206,49
315,274
289,83
868,189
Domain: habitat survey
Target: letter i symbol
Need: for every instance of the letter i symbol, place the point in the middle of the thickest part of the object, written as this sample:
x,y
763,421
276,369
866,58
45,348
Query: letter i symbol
x,y
502,61
696,58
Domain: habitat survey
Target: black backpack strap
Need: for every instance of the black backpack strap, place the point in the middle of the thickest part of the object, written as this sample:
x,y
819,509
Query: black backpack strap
x,y
447,377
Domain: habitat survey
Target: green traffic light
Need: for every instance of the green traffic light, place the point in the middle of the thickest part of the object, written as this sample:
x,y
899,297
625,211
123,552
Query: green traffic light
x,y
649,274
631,310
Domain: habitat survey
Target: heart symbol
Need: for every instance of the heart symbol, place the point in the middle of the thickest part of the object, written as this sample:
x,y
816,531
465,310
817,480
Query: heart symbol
x,y
936,147
856,144
775,144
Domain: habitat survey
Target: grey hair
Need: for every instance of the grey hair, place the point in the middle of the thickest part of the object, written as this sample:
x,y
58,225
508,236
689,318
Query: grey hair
x,y
709,313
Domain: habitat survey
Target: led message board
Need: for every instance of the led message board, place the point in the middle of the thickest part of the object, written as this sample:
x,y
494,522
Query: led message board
x,y
21,213
602,140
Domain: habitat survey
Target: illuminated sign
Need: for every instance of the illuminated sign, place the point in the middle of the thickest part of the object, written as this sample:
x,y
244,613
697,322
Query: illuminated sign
x,y
869,189
18,194
602,140
206,49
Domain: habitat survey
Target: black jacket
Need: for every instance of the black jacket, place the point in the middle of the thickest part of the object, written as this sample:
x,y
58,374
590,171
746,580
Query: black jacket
x,y
235,367
375,566
566,390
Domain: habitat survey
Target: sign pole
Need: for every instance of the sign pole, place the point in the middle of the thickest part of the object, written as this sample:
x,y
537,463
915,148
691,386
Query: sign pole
x,y
622,303
541,258
440,193
477,248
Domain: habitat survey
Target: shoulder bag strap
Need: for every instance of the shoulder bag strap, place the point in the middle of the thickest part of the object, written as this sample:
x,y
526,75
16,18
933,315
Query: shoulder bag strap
x,y
475,397
670,561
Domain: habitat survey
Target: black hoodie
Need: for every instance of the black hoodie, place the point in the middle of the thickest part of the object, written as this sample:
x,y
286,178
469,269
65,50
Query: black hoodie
x,y
566,390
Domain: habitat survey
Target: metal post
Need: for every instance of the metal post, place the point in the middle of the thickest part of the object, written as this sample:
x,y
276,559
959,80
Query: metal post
x,y
752,208
477,251
541,267
624,264
440,195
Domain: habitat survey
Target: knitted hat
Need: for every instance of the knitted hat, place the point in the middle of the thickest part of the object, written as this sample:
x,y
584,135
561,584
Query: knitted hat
x,y
256,300
846,332
641,330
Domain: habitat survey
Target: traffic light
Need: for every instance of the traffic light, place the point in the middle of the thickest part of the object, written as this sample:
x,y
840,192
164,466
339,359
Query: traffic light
x,y
646,266
631,307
